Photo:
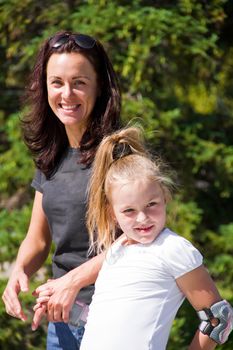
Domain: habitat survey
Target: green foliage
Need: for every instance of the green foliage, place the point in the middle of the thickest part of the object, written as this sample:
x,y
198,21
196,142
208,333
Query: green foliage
x,y
174,62
184,218
13,226
16,165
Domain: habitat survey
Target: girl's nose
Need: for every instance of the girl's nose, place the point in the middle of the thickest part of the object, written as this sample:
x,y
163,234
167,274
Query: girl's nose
x,y
141,217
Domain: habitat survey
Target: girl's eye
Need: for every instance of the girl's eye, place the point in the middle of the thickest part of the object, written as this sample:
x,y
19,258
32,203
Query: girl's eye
x,y
129,210
151,204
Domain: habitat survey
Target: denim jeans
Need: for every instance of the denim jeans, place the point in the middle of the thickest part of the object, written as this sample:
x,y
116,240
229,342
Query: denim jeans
x,y
63,336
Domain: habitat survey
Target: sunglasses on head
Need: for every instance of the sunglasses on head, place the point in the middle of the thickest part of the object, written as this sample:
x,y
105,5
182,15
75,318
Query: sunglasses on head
x,y
82,40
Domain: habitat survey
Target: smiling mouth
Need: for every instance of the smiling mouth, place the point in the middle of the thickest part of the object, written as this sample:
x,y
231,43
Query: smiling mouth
x,y
69,107
144,229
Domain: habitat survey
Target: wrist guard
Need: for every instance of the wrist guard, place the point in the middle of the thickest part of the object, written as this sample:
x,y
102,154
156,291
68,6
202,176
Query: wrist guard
x,y
220,313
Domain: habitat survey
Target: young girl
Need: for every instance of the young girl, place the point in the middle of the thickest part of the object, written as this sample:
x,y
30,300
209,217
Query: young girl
x,y
148,270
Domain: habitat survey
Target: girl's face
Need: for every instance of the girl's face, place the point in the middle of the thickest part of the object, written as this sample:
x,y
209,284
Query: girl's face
x,y
72,90
139,208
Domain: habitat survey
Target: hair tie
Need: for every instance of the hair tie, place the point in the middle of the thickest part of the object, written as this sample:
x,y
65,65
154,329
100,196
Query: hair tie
x,y
121,150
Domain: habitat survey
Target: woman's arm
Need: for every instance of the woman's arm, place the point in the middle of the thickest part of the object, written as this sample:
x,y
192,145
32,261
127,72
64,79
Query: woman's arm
x,y
200,290
63,291
32,253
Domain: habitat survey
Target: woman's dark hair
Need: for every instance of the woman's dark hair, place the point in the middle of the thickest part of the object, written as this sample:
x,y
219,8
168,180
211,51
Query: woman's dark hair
x,y
43,132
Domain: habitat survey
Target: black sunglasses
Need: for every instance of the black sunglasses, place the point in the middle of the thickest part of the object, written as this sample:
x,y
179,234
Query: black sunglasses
x,y
82,40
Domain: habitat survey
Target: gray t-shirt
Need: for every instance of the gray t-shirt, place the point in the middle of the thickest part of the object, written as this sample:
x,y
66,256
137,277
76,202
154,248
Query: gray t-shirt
x,y
64,203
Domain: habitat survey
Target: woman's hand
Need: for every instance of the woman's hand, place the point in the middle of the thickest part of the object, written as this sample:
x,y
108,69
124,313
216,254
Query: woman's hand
x,y
18,282
59,295
33,251
62,291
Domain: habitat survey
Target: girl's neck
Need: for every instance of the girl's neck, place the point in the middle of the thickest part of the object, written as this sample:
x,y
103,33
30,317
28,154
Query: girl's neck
x,y
127,241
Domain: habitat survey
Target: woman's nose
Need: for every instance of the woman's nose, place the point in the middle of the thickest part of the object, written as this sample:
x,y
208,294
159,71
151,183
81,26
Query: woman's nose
x,y
67,92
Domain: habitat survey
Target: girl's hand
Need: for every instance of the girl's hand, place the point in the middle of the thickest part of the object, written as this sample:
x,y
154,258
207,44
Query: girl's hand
x,y
43,294
40,310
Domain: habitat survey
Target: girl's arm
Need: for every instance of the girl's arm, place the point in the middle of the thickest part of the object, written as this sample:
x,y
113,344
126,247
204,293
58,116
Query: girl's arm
x,y
32,253
200,290
62,291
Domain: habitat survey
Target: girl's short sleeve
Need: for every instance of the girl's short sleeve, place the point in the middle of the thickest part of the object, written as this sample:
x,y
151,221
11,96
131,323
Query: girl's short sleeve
x,y
180,256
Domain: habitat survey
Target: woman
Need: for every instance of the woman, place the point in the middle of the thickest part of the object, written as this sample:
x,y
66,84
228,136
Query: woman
x,y
74,101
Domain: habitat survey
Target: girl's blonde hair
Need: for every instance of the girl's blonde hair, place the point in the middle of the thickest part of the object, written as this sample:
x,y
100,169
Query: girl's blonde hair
x,y
120,157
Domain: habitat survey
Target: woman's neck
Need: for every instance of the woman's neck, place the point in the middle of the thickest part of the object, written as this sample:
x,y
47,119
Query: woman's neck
x,y
74,135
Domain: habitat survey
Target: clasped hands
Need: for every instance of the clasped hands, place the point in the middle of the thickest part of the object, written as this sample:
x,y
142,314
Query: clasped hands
x,y
54,300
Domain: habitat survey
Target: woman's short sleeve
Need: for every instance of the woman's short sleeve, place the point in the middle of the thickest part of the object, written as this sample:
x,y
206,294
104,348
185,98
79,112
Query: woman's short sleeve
x,y
37,181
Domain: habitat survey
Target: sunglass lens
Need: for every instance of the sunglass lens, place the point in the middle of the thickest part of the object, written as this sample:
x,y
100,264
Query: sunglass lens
x,y
84,41
62,40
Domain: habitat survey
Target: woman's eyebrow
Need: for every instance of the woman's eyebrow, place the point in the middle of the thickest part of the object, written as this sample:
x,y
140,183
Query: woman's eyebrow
x,y
81,76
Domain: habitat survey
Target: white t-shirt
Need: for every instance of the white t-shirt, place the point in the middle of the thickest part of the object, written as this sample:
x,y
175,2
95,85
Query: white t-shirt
x,y
136,296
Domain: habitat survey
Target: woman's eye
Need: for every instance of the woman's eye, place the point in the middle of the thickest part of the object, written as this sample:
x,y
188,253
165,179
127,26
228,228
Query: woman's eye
x,y
56,82
79,82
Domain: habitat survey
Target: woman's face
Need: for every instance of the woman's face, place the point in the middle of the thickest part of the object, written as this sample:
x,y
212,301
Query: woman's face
x,y
72,91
